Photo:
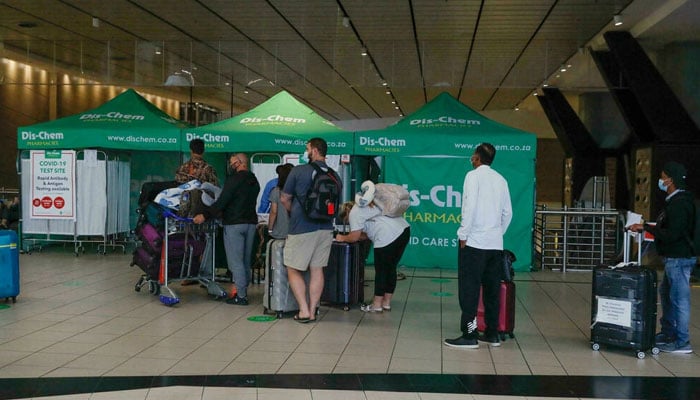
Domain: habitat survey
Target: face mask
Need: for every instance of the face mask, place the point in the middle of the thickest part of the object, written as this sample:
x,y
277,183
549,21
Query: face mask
x,y
662,186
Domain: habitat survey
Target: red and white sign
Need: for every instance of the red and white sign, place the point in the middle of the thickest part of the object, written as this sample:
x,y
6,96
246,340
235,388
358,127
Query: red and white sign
x,y
53,184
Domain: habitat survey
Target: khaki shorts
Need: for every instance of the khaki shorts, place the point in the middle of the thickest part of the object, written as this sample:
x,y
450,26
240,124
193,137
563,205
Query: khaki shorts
x,y
310,249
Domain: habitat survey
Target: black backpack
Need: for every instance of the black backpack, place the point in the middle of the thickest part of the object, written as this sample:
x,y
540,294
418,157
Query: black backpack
x,y
323,197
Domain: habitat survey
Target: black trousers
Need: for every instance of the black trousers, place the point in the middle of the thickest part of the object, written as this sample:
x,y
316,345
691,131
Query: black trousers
x,y
479,269
386,259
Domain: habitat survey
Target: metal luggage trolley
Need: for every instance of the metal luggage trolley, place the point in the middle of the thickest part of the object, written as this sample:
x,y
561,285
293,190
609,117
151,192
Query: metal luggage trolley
x,y
204,273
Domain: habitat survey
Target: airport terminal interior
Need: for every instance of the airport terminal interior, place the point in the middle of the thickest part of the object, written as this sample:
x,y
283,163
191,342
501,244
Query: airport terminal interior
x,y
607,89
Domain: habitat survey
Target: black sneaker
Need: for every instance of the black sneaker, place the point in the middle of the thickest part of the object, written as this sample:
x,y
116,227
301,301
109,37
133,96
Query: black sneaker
x,y
462,343
492,340
239,301
662,338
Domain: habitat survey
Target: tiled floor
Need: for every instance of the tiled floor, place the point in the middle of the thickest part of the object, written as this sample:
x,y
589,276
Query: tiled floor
x,y
81,317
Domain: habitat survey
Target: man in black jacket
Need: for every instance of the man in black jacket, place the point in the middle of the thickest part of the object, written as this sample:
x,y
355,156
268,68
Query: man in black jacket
x,y
237,207
673,234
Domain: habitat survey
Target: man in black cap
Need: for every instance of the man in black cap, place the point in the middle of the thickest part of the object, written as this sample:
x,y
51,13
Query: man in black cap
x,y
672,236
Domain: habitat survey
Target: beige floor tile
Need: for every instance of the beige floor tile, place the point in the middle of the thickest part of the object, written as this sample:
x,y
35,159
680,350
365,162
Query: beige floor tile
x,y
263,356
337,395
197,367
224,393
75,372
138,394
246,367
414,365
278,394
380,363
10,356
175,393
97,361
325,360
46,360
445,396
377,395
143,366
23,371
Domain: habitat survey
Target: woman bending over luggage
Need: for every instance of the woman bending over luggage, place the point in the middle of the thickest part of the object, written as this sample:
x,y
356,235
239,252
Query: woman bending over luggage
x,y
390,237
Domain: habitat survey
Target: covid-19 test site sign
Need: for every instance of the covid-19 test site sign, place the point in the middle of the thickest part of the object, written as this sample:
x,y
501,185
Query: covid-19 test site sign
x,y
53,184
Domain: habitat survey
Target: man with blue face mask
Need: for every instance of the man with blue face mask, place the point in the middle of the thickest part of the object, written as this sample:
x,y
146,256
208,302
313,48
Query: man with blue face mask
x,y
672,237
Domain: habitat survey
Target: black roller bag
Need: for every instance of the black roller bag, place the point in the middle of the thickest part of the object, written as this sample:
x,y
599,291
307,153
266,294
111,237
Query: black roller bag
x,y
345,275
623,307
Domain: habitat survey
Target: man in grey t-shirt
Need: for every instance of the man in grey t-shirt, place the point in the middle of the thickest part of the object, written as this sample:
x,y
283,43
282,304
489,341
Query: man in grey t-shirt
x,y
309,241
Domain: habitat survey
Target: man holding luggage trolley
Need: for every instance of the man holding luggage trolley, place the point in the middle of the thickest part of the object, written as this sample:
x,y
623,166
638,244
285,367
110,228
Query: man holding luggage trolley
x,y
673,234
486,214
237,207
308,244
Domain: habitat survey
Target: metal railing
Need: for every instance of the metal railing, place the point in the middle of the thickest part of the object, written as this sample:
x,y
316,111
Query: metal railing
x,y
575,238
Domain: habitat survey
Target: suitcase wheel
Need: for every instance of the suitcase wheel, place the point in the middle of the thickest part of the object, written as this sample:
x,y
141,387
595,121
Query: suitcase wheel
x,y
279,315
595,346
641,354
655,350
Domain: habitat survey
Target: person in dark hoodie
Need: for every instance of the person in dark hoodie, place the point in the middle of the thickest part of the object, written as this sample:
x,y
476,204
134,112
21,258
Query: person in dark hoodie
x,y
673,234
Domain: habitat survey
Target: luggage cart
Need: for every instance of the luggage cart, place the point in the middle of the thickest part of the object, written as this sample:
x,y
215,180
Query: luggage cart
x,y
188,259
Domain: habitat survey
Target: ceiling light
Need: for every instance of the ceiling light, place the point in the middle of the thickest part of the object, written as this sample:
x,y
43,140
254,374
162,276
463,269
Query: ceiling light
x,y
384,83
397,107
364,51
517,108
245,90
346,22
617,20
95,22
545,84
388,92
562,68
158,51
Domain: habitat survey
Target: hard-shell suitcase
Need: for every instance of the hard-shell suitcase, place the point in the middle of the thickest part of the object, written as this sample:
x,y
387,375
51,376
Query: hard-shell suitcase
x,y
278,296
344,277
9,265
506,312
623,306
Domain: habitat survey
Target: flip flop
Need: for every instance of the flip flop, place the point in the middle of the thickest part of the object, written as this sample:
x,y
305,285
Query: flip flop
x,y
301,320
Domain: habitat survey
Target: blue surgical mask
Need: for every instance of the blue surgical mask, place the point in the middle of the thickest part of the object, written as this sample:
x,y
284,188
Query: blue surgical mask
x,y
662,186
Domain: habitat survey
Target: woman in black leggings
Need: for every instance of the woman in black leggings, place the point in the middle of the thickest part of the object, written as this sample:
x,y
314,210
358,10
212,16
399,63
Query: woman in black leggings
x,y
390,236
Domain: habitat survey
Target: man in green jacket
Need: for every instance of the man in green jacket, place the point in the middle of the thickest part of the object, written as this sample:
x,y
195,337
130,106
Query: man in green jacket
x,y
673,234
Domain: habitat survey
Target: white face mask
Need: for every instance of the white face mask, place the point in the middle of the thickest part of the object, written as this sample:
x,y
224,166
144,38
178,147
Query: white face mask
x,y
662,187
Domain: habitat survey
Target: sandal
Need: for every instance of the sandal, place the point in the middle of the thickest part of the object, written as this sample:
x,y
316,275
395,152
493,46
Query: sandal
x,y
301,320
369,309
386,308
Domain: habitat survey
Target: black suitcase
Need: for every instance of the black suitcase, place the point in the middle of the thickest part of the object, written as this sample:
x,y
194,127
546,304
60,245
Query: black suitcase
x,y
623,307
149,191
344,277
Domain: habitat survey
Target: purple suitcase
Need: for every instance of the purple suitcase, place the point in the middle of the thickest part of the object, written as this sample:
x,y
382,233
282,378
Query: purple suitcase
x,y
150,237
149,263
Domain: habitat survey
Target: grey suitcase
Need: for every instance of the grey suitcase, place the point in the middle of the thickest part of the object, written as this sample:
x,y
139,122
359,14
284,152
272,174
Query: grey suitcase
x,y
278,297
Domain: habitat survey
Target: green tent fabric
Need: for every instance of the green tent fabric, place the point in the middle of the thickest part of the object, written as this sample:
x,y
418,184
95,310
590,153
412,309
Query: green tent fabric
x,y
281,124
128,121
428,152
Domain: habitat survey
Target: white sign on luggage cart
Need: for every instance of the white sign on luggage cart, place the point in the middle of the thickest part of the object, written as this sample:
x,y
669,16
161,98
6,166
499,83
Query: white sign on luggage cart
x,y
614,311
53,184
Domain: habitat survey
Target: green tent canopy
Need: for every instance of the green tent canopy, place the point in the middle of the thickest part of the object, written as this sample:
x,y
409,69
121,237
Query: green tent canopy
x,y
428,152
281,124
128,121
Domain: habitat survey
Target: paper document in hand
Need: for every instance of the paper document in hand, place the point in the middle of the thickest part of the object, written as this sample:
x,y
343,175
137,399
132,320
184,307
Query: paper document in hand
x,y
633,218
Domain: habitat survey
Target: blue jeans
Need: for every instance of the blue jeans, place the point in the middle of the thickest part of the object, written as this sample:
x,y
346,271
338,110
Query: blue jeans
x,y
675,298
238,241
